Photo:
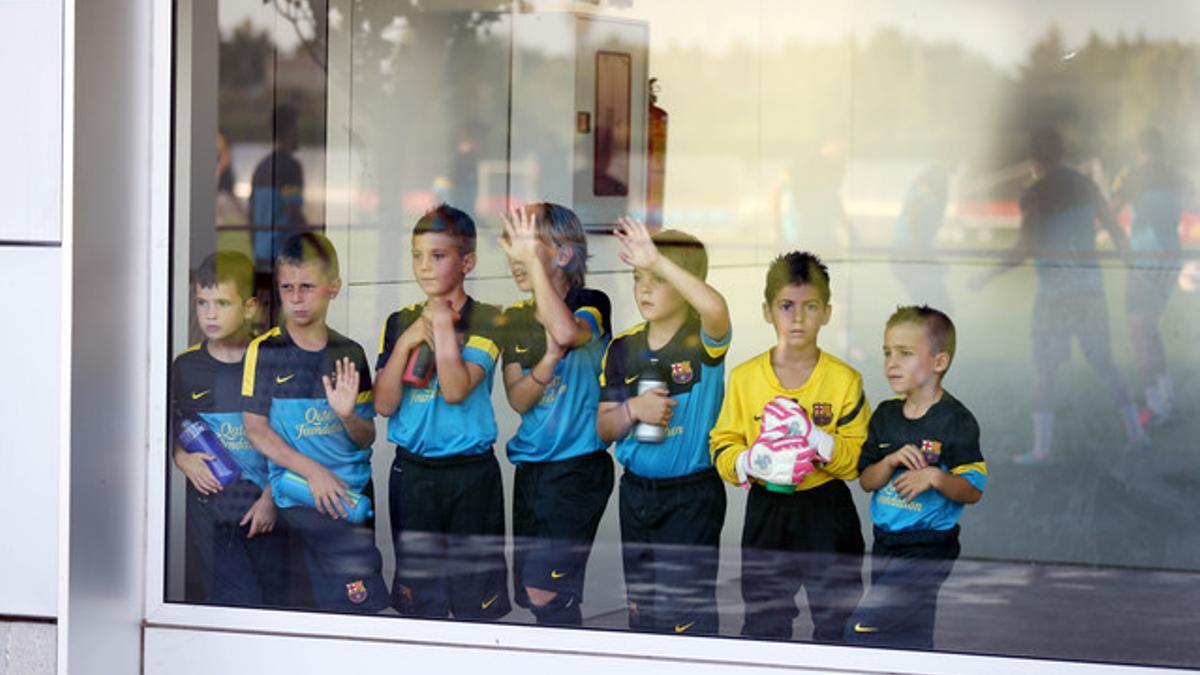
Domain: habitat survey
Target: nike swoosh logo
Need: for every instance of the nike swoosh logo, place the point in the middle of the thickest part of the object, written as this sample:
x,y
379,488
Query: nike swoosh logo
x,y
885,445
859,628
522,350
555,574
488,603
631,380
758,418
684,627
285,378
197,395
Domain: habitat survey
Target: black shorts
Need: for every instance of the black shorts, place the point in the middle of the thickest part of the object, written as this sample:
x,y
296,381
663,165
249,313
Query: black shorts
x,y
448,531
235,570
810,539
557,508
344,566
907,571
670,540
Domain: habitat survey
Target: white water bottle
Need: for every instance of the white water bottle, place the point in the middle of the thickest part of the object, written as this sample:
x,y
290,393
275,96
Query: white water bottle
x,y
651,378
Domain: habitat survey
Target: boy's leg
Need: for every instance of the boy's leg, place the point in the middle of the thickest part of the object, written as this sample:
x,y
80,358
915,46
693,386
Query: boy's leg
x,y
900,608
772,572
344,566
476,569
1051,344
524,526
687,555
228,573
269,555
637,510
568,501
833,569
415,505
1091,325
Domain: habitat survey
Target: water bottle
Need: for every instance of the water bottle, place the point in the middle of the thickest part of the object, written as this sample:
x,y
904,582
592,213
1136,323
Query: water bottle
x,y
295,487
651,378
196,437
421,365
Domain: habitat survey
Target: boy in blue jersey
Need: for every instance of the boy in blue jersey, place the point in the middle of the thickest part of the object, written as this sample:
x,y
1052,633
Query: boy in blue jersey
x,y
922,461
801,529
553,347
1157,194
445,496
243,556
672,503
306,401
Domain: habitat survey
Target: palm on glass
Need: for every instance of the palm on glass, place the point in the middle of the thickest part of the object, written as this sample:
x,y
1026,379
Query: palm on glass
x,y
342,391
639,249
520,241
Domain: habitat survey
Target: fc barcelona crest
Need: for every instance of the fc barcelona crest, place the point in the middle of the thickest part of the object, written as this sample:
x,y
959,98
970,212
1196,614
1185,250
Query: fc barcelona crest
x,y
822,413
681,373
356,592
932,450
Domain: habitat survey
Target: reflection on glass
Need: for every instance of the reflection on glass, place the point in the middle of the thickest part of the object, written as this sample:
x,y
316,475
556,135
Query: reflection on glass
x,y
891,139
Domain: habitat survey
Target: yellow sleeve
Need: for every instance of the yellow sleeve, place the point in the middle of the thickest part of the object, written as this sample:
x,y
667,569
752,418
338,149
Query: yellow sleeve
x,y
727,439
849,433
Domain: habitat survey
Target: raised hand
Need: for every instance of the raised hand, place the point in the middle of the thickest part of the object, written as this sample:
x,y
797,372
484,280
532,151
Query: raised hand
x,y
342,391
520,242
639,249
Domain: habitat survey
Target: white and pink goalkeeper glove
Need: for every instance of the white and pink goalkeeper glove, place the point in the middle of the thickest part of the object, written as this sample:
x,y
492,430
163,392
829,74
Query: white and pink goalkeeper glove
x,y
774,458
782,413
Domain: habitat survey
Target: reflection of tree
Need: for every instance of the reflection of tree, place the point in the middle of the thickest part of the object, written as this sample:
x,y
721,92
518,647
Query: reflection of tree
x,y
309,24
244,56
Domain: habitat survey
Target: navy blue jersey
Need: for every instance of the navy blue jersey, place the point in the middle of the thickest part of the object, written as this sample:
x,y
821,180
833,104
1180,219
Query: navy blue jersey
x,y
1058,216
948,430
282,382
1157,193
562,424
693,365
211,390
425,424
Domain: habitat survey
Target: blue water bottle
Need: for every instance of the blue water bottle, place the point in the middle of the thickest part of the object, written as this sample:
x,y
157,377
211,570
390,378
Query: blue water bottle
x,y
295,487
196,437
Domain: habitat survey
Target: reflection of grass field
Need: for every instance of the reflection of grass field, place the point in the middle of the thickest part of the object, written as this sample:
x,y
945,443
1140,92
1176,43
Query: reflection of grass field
x,y
1095,504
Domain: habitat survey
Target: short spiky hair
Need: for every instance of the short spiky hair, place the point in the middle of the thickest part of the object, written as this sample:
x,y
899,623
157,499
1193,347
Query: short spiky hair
x,y
938,326
307,247
684,250
446,219
798,268
559,225
224,266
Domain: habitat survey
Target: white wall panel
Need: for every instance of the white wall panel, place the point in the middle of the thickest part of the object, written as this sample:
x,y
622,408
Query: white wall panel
x,y
31,119
29,431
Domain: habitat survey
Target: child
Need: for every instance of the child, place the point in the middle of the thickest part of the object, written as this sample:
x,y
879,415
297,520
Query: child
x,y
553,347
243,557
922,461
810,537
672,504
445,496
306,396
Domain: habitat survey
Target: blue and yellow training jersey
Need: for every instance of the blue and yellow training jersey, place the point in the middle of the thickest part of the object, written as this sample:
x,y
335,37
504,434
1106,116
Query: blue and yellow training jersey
x,y
562,424
427,425
948,430
833,397
1157,194
282,382
693,366
211,390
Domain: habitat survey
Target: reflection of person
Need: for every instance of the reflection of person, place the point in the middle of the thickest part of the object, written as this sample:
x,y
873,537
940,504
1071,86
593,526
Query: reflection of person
x,y
553,347
277,189
1058,215
229,209
233,529
811,537
916,230
445,496
922,462
306,396
672,503
1157,194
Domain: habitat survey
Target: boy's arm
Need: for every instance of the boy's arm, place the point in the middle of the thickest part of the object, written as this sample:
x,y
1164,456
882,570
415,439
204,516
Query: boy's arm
x,y
524,390
329,492
727,440
966,476
618,411
393,359
457,377
640,252
953,487
194,466
1108,221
